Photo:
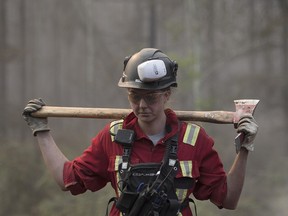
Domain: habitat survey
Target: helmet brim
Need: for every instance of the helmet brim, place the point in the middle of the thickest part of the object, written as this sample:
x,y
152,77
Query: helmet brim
x,y
146,85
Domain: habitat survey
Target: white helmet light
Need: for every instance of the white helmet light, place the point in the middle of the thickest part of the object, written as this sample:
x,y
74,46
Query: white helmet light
x,y
151,70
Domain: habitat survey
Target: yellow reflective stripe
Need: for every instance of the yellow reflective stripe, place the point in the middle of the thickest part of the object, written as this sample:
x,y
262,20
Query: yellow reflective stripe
x,y
118,160
181,194
186,167
191,134
114,127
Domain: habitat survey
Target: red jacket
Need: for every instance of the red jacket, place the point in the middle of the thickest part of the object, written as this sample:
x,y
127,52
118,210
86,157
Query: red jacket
x,y
98,164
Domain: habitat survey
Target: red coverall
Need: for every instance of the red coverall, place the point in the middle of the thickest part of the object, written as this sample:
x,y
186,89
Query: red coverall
x,y
98,164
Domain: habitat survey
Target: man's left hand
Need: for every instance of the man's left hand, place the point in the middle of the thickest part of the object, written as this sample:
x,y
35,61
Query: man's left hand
x,y
248,127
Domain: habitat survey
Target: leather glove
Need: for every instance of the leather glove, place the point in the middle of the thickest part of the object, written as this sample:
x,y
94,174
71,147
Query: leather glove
x,y
247,128
36,124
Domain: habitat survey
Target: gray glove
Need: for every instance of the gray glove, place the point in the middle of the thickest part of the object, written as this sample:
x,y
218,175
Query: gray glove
x,y
247,129
36,124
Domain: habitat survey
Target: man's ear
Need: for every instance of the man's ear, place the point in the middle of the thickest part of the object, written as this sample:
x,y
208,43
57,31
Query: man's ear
x,y
167,95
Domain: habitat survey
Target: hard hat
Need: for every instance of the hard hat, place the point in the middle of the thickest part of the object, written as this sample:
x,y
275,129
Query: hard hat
x,y
149,69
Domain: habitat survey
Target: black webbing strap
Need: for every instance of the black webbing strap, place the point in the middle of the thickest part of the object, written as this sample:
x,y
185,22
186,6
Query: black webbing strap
x,y
126,140
186,202
169,167
162,185
113,199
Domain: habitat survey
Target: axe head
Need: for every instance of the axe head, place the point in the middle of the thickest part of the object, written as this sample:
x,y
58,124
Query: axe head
x,y
244,106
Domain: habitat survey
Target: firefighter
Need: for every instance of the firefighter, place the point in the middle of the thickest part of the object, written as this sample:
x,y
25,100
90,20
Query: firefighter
x,y
154,162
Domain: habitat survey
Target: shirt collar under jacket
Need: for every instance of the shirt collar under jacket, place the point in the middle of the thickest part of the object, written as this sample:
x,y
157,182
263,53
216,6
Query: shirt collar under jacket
x,y
130,122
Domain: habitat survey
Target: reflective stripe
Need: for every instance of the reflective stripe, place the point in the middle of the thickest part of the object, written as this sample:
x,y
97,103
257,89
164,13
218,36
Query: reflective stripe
x,y
118,160
114,127
191,134
181,194
186,167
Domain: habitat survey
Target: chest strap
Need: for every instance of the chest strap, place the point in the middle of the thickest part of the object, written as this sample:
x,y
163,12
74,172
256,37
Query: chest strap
x,y
158,199
156,196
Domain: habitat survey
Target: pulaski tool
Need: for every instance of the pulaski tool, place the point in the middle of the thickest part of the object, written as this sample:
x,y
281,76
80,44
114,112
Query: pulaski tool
x,y
218,117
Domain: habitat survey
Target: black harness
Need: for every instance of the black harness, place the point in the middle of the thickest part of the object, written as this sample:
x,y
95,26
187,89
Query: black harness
x,y
147,189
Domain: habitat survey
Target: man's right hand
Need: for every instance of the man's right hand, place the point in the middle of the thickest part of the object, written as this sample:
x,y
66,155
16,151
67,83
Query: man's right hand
x,y
36,124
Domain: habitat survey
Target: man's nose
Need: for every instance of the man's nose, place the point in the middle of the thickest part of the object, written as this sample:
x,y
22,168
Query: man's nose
x,y
142,103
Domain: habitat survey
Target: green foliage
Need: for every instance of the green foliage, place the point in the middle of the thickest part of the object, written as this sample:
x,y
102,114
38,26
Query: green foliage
x,y
187,70
28,189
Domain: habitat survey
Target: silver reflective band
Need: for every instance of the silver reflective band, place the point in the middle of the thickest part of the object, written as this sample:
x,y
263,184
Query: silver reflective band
x,y
151,70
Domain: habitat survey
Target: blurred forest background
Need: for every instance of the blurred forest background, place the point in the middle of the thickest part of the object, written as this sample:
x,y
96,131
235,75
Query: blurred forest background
x,y
71,52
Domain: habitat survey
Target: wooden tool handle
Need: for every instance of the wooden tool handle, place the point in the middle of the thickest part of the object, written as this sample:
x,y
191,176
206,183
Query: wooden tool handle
x,y
219,117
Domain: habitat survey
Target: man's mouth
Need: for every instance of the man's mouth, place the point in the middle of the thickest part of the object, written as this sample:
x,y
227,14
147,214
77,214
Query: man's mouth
x,y
144,113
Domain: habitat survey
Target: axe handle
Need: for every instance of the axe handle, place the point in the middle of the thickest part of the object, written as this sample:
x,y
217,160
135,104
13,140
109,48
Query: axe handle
x,y
219,117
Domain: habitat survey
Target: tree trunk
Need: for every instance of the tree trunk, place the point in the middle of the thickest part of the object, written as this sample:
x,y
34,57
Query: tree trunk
x,y
153,23
252,66
2,69
284,7
211,52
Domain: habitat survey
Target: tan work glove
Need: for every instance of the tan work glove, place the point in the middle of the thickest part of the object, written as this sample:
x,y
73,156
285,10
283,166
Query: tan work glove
x,y
36,124
247,129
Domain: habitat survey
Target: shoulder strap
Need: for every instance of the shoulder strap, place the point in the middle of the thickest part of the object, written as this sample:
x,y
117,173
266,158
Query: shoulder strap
x,y
126,138
113,199
170,163
157,193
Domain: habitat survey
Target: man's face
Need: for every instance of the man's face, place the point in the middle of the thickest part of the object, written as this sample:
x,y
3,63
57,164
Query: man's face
x,y
148,105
